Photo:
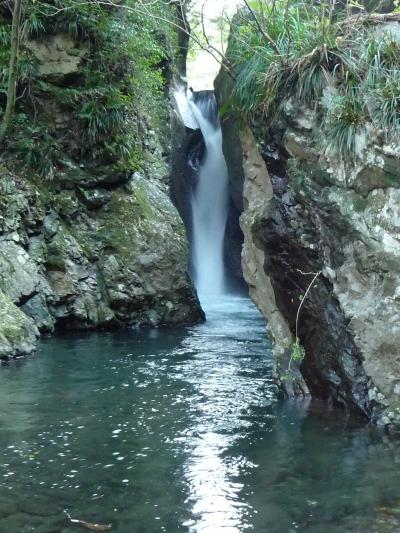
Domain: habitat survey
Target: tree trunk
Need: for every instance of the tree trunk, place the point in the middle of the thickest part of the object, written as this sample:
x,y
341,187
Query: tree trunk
x,y
12,71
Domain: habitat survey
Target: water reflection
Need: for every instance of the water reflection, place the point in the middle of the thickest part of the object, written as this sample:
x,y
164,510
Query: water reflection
x,y
181,430
230,372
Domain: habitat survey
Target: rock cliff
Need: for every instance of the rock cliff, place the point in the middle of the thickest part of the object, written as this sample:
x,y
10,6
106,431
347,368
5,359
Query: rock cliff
x,y
88,235
94,257
307,213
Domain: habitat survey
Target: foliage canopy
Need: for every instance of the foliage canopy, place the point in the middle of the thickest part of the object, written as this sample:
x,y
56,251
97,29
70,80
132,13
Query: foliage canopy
x,y
118,88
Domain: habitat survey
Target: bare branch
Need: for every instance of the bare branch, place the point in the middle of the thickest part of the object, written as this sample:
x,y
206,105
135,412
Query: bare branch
x,y
317,274
209,45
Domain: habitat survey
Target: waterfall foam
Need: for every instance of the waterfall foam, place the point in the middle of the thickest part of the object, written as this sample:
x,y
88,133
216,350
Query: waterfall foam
x,y
210,200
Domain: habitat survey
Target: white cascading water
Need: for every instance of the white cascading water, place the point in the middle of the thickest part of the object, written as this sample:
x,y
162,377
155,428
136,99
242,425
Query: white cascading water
x,y
209,201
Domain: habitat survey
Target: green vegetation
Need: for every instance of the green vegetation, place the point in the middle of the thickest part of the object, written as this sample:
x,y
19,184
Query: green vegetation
x,y
116,91
346,68
346,116
298,352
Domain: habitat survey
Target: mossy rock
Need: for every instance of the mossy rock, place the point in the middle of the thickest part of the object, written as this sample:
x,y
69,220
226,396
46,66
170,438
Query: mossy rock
x,y
142,220
18,332
376,177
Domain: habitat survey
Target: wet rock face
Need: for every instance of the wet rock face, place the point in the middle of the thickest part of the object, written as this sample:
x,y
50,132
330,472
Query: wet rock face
x,y
18,332
282,254
83,264
354,210
305,211
279,269
187,153
257,197
332,368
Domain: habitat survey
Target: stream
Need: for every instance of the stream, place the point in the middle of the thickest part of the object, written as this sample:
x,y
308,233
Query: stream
x,y
182,430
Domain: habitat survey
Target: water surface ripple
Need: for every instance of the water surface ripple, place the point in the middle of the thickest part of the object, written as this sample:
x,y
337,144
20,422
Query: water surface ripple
x,y
181,430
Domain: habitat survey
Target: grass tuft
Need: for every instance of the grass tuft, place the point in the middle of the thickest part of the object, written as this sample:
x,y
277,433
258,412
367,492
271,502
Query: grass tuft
x,y
306,52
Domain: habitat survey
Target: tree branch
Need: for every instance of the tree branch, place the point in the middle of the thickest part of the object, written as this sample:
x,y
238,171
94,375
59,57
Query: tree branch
x,y
13,70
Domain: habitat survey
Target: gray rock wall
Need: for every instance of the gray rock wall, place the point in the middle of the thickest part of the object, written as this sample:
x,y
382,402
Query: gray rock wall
x,y
306,211
73,264
95,246
359,245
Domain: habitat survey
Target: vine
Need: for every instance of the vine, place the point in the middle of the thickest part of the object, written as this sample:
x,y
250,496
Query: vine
x,y
298,353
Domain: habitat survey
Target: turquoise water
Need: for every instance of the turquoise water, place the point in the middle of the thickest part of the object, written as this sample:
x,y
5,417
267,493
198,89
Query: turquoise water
x,y
182,430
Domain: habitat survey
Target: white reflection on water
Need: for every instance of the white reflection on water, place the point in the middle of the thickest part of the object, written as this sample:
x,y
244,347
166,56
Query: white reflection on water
x,y
216,502
223,344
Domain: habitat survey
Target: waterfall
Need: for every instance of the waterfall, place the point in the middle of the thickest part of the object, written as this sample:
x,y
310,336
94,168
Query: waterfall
x,y
209,200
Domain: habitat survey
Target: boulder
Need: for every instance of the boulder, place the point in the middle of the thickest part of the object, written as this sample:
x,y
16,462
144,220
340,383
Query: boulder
x,y
18,332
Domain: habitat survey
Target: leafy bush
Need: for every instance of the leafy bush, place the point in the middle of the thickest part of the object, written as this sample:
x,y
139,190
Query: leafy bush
x,y
38,148
382,82
122,78
298,353
104,113
299,62
386,111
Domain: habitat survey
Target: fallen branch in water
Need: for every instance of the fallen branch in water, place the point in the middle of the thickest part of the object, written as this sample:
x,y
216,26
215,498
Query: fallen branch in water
x,y
88,525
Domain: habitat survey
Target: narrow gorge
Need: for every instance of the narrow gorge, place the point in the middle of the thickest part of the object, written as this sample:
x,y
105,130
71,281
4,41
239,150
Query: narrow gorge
x,y
199,266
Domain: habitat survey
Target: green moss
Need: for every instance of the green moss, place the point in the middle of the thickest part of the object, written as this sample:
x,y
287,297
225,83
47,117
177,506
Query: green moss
x,y
143,220
141,200
56,252
15,326
120,227
69,239
128,221
359,203
296,174
65,203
